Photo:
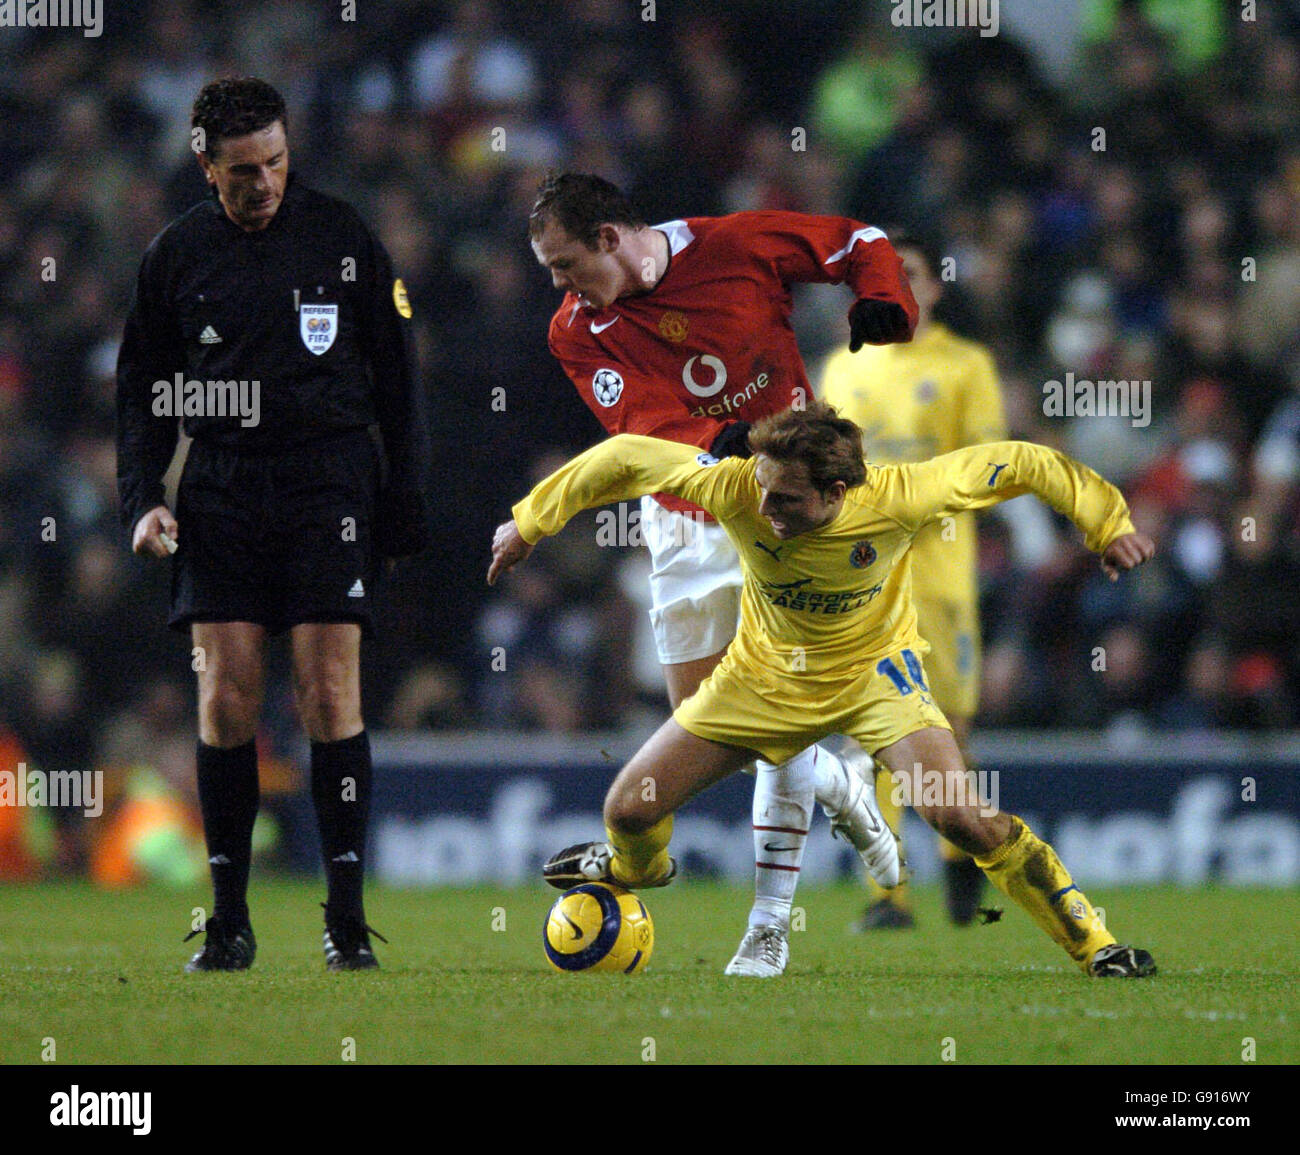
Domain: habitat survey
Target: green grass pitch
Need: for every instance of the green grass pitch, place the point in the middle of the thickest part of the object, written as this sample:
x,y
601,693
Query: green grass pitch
x,y
465,981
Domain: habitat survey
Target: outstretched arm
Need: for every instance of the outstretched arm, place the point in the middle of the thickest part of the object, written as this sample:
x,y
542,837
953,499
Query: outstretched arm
x,y
804,248
623,467
983,475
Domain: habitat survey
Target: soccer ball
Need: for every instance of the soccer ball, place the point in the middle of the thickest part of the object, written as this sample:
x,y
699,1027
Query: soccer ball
x,y
598,927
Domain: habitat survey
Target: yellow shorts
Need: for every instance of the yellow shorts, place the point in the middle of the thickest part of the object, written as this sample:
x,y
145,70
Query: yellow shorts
x,y
953,664
779,715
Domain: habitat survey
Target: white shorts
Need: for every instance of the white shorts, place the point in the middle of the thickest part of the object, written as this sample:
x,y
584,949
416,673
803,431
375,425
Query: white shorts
x,y
695,583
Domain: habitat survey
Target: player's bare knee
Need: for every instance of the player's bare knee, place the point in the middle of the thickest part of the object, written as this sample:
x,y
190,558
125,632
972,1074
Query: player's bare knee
x,y
228,713
329,707
328,718
627,813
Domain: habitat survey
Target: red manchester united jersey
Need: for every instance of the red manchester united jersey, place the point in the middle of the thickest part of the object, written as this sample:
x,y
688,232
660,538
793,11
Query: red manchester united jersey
x,y
712,341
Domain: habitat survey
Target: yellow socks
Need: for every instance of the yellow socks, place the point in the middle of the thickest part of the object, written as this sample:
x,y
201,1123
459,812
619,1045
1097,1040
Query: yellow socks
x,y
641,859
1027,870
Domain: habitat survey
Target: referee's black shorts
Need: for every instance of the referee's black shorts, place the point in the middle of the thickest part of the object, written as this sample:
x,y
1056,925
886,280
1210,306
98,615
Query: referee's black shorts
x,y
278,539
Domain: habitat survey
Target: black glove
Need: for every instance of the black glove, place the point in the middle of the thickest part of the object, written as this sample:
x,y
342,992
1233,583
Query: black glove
x,y
733,441
876,323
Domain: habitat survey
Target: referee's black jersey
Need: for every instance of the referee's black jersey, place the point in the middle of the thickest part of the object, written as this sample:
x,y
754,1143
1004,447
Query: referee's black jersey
x,y
309,309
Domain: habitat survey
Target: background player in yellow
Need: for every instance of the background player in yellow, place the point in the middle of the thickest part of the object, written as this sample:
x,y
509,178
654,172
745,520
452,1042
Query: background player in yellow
x,y
827,642
913,402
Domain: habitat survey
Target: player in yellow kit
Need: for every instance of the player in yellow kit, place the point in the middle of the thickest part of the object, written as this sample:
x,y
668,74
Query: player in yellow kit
x,y
827,642
915,401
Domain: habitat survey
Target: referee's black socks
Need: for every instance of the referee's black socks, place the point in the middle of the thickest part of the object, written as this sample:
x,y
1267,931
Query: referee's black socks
x,y
228,797
340,788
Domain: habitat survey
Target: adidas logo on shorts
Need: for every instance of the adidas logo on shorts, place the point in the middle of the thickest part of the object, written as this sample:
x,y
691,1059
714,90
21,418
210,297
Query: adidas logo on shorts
x,y
209,336
357,590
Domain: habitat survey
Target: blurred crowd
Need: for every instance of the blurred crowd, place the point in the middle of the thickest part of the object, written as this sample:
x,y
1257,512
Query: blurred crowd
x,y
1133,214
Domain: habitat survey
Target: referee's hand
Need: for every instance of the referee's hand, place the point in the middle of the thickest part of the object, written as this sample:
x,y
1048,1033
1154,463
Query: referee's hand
x,y
508,549
155,533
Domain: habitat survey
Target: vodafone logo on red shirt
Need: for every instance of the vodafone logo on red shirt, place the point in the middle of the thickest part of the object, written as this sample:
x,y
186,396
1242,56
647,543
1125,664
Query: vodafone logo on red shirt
x,y
727,402
719,376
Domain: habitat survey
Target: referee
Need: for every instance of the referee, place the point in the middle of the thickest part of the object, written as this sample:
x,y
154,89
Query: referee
x,y
269,321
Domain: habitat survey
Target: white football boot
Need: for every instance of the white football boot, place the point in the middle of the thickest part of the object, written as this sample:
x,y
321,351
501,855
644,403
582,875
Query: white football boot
x,y
762,953
859,819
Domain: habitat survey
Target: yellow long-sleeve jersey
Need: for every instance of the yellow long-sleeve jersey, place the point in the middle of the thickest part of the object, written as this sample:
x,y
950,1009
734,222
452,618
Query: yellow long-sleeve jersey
x,y
839,597
913,402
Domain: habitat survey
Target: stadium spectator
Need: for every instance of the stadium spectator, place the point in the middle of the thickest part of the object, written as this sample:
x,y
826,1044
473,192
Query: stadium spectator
x,y
54,721
472,64
151,829
25,831
856,100
1205,701
554,654
430,697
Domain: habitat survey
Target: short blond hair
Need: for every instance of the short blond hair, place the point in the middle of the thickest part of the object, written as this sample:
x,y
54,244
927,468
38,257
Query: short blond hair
x,y
828,444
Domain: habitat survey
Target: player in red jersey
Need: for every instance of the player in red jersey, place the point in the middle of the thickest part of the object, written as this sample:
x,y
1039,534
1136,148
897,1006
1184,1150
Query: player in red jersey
x,y
682,331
